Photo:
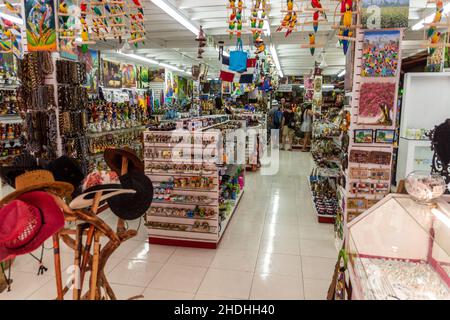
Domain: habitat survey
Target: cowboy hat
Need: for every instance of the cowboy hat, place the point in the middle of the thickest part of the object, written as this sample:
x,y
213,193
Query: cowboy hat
x,y
106,182
113,158
133,206
66,169
38,180
21,164
26,222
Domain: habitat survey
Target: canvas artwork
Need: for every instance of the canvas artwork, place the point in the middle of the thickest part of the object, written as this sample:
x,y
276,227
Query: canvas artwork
x,y
144,77
67,47
363,136
226,87
383,14
380,54
170,85
157,75
376,103
40,25
128,76
384,136
181,88
92,60
112,76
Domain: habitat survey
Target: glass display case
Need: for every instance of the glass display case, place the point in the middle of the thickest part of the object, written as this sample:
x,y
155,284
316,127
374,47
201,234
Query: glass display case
x,y
400,250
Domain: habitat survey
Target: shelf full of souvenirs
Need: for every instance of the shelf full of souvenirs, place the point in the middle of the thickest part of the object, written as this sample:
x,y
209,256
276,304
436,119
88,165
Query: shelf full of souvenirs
x,y
329,122
197,185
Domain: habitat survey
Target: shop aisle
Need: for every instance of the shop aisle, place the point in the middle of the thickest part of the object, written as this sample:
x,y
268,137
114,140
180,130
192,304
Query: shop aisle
x,y
272,249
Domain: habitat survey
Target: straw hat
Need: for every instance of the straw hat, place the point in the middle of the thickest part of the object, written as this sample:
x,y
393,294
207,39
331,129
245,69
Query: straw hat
x,y
38,180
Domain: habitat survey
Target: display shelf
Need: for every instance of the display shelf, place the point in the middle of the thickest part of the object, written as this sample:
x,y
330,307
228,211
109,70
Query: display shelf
x,y
114,132
225,222
321,218
213,193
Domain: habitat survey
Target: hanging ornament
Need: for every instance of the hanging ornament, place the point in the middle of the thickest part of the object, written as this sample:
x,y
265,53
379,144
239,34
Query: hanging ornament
x,y
201,39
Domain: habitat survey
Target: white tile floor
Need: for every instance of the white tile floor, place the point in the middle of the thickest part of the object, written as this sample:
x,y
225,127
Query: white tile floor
x,y
273,249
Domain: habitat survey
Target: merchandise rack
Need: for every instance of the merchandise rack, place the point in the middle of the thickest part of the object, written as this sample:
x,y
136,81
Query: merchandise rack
x,y
326,167
186,229
258,141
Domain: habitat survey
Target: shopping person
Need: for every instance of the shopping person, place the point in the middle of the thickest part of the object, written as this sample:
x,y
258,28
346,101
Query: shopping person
x,y
306,127
288,125
274,118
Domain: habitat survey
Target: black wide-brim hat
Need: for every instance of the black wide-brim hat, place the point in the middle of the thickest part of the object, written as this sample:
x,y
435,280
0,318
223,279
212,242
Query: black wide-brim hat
x,y
133,206
66,169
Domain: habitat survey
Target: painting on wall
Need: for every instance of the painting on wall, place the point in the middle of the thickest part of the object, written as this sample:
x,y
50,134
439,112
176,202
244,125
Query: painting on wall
x,y
40,25
128,76
67,47
111,73
144,77
382,14
380,54
376,103
156,75
92,60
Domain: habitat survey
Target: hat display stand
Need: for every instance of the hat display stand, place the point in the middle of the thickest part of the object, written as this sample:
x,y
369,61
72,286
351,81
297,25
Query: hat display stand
x,y
96,260
91,261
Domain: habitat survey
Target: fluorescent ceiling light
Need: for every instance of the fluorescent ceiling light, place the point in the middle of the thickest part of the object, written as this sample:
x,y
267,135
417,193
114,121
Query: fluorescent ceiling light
x,y
328,86
176,15
151,61
419,25
266,28
342,73
274,54
137,57
168,66
11,18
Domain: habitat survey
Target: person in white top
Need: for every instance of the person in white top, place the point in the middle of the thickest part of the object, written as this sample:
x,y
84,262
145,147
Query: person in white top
x,y
306,127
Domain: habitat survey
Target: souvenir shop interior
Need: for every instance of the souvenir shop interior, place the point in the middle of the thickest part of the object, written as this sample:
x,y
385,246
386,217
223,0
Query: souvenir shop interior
x,y
224,149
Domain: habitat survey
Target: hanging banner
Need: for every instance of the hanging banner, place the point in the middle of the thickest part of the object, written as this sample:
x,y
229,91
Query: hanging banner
x,y
40,25
170,84
92,60
112,76
128,76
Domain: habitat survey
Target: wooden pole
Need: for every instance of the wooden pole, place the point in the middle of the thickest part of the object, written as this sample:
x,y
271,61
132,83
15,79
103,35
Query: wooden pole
x,y
57,261
95,263
89,238
78,248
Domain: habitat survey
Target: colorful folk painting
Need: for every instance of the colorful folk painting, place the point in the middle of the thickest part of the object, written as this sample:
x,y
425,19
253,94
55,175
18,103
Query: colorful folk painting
x,y
112,75
376,103
156,75
380,53
40,25
128,76
92,60
67,21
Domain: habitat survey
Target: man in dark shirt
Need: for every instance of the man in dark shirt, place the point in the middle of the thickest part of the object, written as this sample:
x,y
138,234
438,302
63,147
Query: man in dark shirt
x,y
287,125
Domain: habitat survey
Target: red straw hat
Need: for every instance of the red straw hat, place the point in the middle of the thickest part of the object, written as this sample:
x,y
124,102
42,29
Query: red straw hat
x,y
26,222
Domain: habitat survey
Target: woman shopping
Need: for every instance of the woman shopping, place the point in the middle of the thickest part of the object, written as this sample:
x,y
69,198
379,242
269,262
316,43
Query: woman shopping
x,y
306,127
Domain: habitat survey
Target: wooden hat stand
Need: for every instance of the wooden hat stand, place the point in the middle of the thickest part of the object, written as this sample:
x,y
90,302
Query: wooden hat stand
x,y
89,224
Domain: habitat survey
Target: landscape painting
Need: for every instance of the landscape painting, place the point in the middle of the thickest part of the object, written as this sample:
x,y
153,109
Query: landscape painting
x,y
382,14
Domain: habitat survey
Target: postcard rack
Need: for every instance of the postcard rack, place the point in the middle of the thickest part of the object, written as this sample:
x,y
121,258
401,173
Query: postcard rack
x,y
195,195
